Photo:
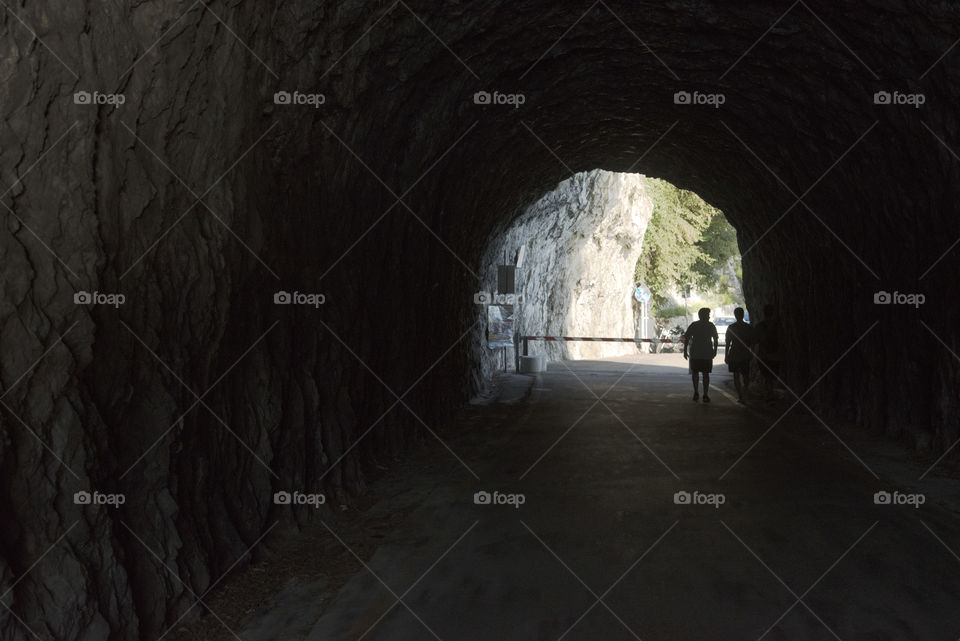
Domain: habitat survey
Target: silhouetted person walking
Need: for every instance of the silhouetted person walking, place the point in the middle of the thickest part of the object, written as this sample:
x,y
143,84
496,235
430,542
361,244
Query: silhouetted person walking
x,y
768,344
737,355
700,340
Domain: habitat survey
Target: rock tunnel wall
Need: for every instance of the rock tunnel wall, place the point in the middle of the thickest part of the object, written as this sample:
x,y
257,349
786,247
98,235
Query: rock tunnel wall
x,y
581,244
199,198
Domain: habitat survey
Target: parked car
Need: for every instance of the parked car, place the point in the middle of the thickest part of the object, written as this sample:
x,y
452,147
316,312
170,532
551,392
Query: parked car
x,y
722,322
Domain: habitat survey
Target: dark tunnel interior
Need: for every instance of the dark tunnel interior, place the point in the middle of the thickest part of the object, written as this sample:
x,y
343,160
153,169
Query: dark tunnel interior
x,y
242,241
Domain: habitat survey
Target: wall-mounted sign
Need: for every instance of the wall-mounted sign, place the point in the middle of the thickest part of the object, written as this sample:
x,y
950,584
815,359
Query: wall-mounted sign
x,y
499,326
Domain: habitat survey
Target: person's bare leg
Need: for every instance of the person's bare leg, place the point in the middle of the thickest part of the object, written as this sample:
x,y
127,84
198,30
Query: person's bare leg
x,y
696,384
706,387
738,383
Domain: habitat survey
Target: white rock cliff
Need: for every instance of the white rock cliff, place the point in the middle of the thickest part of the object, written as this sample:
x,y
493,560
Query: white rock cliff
x,y
582,242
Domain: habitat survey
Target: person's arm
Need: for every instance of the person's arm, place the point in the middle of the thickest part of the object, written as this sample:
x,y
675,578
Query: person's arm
x,y
686,342
716,340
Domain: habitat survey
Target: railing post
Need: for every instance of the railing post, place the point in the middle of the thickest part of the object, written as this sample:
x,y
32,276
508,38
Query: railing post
x,y
516,352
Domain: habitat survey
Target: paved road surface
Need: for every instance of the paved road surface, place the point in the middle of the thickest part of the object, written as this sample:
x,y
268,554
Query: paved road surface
x,y
599,549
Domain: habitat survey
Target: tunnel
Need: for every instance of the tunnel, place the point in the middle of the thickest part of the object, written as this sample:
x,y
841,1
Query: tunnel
x,y
242,242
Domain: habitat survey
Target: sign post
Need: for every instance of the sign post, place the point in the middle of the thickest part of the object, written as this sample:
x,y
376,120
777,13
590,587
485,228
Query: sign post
x,y
642,296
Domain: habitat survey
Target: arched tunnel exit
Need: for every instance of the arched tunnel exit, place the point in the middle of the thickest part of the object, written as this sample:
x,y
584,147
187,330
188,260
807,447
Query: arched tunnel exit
x,y
240,338
606,264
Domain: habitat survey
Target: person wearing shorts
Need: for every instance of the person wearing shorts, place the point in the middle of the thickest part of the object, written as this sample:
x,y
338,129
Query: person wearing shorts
x,y
700,347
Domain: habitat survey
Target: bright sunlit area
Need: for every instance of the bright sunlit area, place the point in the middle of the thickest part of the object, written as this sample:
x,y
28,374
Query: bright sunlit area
x,y
616,256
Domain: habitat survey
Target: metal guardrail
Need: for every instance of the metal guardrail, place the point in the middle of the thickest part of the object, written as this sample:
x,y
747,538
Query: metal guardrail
x,y
606,340
656,341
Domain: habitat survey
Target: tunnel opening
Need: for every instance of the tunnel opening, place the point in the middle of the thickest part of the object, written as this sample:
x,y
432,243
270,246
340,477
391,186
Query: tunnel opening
x,y
606,264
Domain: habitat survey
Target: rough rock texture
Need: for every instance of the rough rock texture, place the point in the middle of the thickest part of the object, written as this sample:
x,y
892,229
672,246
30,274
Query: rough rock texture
x,y
582,241
306,199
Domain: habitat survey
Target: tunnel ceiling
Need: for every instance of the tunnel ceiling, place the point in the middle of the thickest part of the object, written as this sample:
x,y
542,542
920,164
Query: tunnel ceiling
x,y
199,198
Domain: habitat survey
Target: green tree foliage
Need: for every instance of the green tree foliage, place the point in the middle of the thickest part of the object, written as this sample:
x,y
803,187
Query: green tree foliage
x,y
688,242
